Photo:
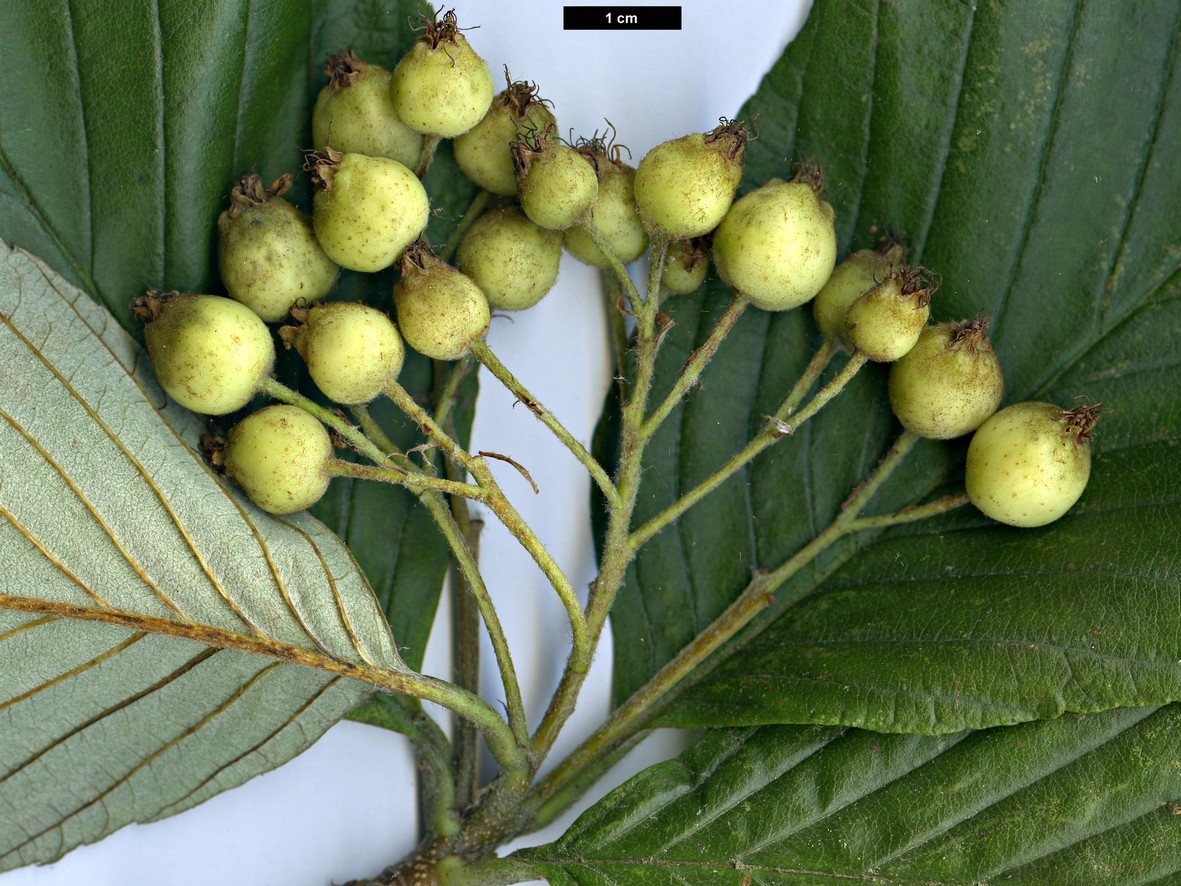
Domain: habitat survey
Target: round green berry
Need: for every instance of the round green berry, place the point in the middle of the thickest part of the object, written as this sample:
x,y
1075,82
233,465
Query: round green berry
x,y
685,266
366,209
280,457
557,185
355,115
949,382
885,322
777,245
851,279
1028,464
441,87
512,260
440,310
267,252
209,353
351,350
684,187
613,213
484,152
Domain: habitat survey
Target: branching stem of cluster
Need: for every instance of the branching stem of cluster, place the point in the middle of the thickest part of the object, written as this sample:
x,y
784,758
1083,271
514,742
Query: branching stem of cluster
x,y
491,362
449,394
415,482
618,267
329,417
498,503
776,428
696,364
642,706
616,554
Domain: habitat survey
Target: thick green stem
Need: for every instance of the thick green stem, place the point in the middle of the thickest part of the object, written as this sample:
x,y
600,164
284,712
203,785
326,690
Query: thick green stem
x,y
429,144
328,417
640,708
776,428
448,394
466,560
618,267
492,363
416,483
696,363
465,651
616,553
499,504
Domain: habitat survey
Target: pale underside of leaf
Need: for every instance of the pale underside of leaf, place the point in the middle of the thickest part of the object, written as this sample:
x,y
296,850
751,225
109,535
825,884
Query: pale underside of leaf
x,y
160,638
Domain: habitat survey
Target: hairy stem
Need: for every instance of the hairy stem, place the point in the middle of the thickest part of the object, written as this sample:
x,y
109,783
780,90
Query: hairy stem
x,y
474,210
642,706
775,429
696,364
492,363
415,482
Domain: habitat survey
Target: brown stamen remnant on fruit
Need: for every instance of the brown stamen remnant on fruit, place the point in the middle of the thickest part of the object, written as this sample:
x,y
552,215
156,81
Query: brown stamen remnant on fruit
x,y
322,165
1081,421
248,191
212,446
891,247
730,137
919,283
342,69
520,96
526,148
419,256
970,334
436,31
146,307
810,172
602,150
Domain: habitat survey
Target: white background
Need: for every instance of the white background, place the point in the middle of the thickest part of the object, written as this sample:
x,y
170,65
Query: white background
x,y
346,808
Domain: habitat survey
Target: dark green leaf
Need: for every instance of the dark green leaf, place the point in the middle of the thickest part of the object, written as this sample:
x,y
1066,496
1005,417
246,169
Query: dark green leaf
x,y
121,130
161,640
1074,800
1023,150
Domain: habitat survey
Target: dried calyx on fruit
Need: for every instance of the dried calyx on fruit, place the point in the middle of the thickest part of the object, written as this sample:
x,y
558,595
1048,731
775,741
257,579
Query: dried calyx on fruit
x,y
484,152
852,278
614,212
351,350
685,266
1028,464
366,209
777,245
513,261
440,310
354,113
885,322
279,456
267,252
684,187
557,185
441,87
949,382
209,353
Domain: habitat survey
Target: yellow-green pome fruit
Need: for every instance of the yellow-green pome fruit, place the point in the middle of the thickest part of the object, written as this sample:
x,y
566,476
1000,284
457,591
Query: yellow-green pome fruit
x,y
557,184
441,311
684,187
1028,464
613,213
949,382
513,261
484,152
852,278
885,322
267,252
280,457
209,353
685,266
441,87
777,245
366,209
351,350
354,113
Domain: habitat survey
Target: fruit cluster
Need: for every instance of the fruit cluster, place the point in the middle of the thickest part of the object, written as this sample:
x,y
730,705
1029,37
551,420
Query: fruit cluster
x,y
375,131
